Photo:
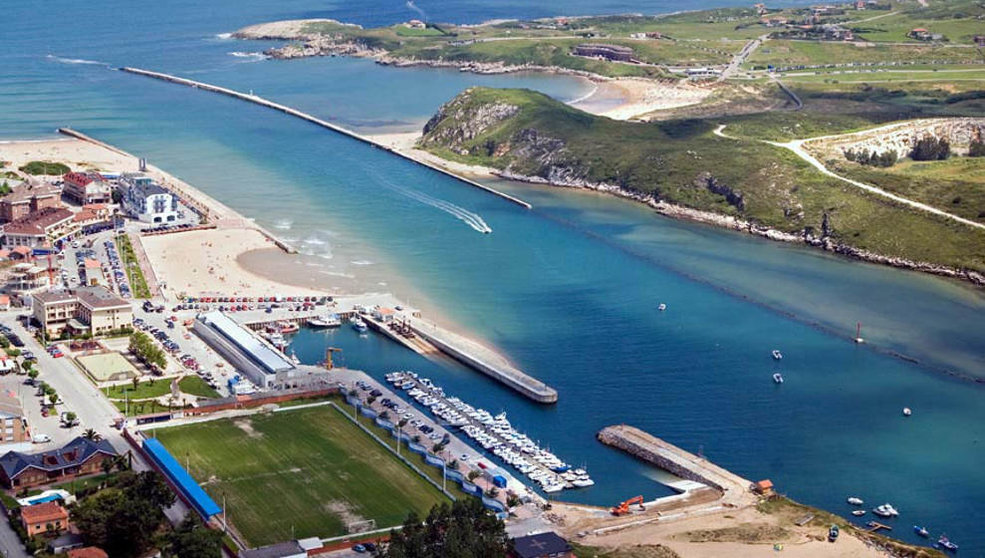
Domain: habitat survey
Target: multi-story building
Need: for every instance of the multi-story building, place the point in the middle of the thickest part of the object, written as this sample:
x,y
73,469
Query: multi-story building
x,y
85,188
26,199
39,229
609,52
92,310
12,420
28,278
147,201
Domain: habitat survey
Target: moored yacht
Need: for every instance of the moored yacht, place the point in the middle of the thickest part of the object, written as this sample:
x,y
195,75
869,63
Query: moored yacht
x,y
331,320
778,378
777,355
885,510
359,325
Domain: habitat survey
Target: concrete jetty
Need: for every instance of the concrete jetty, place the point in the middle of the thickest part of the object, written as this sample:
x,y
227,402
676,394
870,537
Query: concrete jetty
x,y
484,360
323,123
671,458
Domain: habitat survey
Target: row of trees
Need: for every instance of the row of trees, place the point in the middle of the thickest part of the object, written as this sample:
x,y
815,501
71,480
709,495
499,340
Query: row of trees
x,y
871,158
463,529
147,350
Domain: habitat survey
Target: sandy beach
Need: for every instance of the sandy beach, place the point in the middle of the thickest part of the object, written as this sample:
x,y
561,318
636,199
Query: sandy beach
x,y
629,98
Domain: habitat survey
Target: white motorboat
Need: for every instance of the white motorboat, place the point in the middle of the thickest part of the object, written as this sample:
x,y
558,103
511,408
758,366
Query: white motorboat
x,y
662,307
331,320
907,412
885,510
778,378
858,513
855,501
777,355
359,325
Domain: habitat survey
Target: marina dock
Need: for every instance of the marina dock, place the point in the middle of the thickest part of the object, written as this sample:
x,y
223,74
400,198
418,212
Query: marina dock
x,y
671,458
323,123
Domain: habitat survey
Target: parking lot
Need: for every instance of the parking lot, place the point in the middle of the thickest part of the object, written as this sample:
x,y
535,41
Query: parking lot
x,y
99,248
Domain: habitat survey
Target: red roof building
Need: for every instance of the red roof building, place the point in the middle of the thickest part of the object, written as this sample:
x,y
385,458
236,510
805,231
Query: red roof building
x,y
49,517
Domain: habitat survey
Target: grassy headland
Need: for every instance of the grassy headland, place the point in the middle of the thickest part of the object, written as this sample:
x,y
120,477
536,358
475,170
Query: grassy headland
x,y
530,136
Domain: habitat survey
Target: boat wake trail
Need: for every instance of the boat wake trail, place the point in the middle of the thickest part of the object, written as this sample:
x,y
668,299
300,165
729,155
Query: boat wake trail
x,y
469,218
75,60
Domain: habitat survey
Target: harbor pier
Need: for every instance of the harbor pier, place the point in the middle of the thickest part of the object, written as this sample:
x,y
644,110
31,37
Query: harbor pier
x,y
673,459
324,124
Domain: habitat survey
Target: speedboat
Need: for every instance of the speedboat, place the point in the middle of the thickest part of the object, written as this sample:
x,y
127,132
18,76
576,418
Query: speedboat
x,y
858,513
777,355
778,378
946,543
885,510
907,412
855,501
359,325
662,307
922,531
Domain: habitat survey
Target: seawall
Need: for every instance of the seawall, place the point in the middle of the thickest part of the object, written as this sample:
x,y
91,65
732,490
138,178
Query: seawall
x,y
671,458
323,123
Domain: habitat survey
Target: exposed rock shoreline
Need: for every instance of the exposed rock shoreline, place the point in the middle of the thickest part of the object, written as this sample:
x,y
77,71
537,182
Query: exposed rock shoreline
x,y
733,223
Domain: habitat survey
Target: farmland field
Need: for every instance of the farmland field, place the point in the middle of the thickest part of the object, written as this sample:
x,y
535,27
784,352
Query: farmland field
x,y
310,470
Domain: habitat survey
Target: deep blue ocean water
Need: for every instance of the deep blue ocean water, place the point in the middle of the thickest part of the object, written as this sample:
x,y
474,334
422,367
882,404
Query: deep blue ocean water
x,y
568,290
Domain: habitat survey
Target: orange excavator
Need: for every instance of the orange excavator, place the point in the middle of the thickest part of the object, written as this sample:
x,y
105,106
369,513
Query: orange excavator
x,y
623,508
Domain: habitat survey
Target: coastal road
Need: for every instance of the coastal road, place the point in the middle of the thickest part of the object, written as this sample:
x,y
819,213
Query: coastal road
x,y
10,543
740,58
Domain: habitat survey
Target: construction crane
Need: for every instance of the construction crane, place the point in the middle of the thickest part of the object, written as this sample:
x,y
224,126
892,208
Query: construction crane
x,y
623,508
328,357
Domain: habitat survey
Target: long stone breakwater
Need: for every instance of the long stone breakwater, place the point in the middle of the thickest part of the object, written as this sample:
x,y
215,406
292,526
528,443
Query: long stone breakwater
x,y
323,123
673,459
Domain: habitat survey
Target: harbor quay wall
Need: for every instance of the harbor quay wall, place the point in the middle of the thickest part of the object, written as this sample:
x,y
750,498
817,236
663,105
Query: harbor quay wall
x,y
671,458
325,124
529,387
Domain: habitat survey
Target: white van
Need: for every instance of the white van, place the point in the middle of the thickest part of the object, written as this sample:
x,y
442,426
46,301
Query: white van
x,y
40,439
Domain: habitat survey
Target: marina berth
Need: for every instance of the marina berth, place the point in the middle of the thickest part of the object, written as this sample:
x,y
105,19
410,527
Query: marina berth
x,y
493,433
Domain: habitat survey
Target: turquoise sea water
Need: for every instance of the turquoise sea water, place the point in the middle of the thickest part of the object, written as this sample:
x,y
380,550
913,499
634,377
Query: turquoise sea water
x,y
568,289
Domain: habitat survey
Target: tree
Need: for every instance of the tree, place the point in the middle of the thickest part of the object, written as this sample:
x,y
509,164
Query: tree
x,y
191,538
91,435
930,148
136,382
26,366
473,474
53,397
32,374
464,529
976,148
123,518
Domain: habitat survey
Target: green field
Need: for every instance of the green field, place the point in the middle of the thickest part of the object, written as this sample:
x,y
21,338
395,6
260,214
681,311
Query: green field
x,y
811,53
299,473
193,385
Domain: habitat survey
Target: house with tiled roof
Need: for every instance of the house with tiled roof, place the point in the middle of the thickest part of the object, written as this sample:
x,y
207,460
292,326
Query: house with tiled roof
x,y
26,199
77,458
39,229
48,517
87,552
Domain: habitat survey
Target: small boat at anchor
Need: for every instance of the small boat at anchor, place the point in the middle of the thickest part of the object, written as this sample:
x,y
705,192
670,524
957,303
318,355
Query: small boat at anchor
x,y
777,355
778,378
946,543
907,411
662,307
858,513
359,325
855,501
922,531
